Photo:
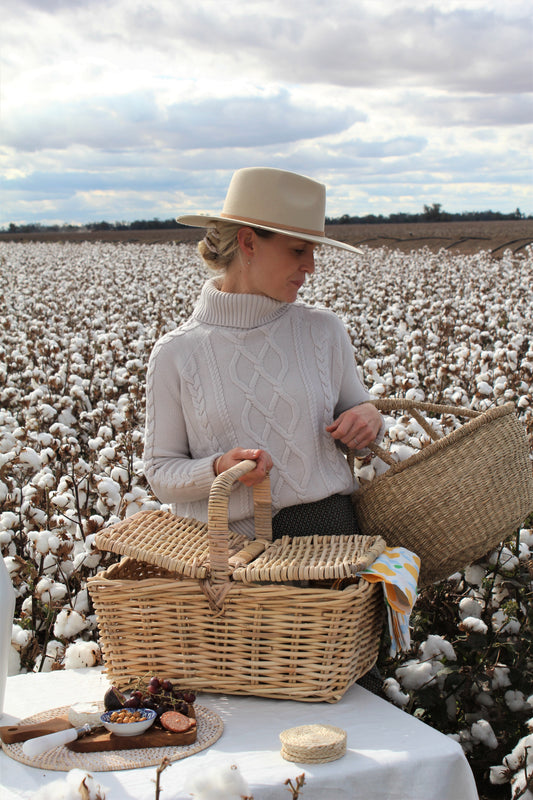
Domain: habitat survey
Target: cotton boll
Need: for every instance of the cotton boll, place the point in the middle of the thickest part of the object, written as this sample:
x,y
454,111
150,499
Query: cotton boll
x,y
397,433
8,520
524,553
68,624
517,756
505,558
515,700
82,654
484,388
27,606
147,504
31,458
416,395
436,646
465,740
501,623
500,678
378,390
46,661
473,625
119,474
41,542
393,691
482,733
109,491
474,574
451,707
77,785
107,454
526,536
485,699
81,602
402,451
415,674
42,589
366,473
519,787
499,591
57,591
20,636
499,774
138,468
4,491
455,577
217,783
469,607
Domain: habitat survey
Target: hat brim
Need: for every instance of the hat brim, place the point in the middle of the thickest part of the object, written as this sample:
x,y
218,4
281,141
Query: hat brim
x,y
203,221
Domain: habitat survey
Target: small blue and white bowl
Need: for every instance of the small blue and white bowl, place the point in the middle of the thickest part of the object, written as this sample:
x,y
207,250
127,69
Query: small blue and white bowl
x,y
129,728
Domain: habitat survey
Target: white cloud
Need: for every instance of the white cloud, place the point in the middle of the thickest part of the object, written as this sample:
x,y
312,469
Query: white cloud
x,y
388,101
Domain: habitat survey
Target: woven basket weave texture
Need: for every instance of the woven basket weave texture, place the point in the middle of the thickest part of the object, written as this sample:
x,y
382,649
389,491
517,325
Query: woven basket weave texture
x,y
213,634
459,496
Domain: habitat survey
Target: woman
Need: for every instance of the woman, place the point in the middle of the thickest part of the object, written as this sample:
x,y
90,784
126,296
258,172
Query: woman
x,y
253,374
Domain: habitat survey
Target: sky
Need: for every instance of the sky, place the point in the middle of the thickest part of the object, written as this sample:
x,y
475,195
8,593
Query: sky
x,y
122,110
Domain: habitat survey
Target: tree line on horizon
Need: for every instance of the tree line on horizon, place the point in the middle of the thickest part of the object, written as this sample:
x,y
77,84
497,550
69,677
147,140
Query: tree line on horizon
x,y
432,213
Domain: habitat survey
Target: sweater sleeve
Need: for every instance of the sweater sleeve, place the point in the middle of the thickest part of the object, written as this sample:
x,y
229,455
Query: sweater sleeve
x,y
352,392
175,477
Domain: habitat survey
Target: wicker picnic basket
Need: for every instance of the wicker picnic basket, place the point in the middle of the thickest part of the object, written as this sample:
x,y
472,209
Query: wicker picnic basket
x,y
457,497
186,602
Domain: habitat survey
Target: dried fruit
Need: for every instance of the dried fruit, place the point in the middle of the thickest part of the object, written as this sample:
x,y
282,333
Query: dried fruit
x,y
113,699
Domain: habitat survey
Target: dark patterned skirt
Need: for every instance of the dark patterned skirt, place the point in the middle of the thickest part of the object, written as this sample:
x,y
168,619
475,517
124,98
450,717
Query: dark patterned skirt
x,y
333,515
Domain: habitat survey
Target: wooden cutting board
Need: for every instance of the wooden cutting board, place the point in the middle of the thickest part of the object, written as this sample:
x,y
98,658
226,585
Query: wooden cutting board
x,y
153,737
100,739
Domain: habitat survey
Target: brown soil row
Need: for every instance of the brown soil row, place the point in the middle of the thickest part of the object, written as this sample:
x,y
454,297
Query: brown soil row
x,y
457,237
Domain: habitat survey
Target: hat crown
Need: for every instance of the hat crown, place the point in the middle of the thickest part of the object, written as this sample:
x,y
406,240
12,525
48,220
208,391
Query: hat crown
x,y
276,198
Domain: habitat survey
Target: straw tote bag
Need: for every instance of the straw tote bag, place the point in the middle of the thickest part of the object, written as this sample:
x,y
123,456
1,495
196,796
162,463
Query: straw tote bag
x,y
456,498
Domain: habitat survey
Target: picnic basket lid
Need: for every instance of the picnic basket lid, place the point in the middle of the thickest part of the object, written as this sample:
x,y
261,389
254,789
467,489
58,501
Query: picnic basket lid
x,y
192,549
319,558
162,539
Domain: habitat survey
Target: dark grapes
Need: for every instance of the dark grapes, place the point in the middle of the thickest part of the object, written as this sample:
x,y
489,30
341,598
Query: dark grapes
x,y
158,694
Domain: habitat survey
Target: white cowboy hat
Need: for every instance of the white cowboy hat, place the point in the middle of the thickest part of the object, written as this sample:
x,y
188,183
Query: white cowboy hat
x,y
275,200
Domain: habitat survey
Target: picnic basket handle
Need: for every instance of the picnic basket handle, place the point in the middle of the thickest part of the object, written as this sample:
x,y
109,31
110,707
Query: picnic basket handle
x,y
217,520
414,407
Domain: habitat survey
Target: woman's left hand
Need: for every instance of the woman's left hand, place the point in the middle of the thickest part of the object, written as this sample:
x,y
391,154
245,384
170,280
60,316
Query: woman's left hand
x,y
357,427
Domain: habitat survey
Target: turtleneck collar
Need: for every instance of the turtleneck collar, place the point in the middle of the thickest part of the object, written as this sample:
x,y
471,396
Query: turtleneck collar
x,y
235,310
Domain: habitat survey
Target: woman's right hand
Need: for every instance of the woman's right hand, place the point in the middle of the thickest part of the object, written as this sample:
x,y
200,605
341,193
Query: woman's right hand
x,y
238,454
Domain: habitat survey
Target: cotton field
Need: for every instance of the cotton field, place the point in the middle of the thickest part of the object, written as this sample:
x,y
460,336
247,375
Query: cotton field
x,y
79,321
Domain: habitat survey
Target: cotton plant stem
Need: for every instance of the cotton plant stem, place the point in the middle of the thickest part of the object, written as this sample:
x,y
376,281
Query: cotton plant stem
x,y
161,768
300,781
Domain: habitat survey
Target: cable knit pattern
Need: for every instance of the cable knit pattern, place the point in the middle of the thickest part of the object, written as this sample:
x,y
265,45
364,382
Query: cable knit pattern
x,y
249,371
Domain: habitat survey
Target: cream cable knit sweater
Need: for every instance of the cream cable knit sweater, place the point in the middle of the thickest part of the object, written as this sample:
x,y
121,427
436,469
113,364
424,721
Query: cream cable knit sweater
x,y
249,371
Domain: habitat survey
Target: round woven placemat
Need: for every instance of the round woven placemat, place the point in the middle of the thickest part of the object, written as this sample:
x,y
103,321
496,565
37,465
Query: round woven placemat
x,y
313,744
209,727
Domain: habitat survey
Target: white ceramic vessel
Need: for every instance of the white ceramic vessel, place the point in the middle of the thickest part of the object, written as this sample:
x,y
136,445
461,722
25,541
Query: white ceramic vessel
x,y
7,609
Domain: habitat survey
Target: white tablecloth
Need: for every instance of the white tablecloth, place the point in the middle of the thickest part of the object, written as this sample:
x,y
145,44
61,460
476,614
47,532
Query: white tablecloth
x,y
391,755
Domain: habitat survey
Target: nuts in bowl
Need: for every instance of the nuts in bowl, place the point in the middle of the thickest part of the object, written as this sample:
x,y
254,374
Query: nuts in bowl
x,y
128,722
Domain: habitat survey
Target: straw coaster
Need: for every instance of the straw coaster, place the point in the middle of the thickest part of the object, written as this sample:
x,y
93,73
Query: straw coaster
x,y
313,744
209,727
